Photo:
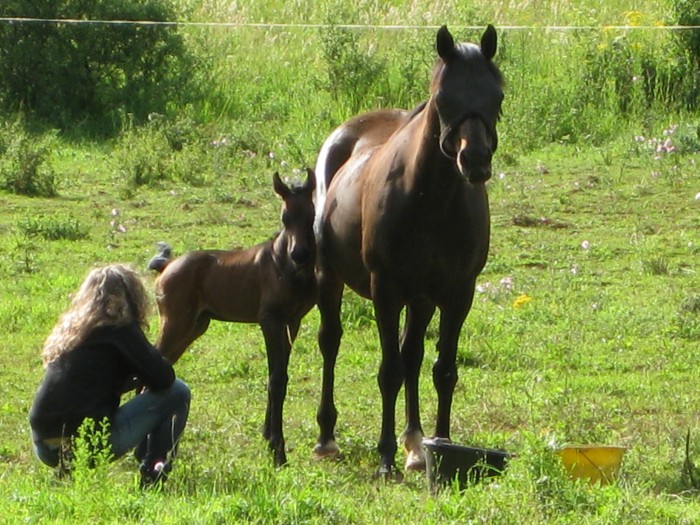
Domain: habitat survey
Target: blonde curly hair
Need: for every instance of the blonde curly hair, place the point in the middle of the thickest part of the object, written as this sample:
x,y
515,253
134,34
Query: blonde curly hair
x,y
110,295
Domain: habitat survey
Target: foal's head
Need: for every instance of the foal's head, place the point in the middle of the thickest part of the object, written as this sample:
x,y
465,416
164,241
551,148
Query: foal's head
x,y
295,246
468,90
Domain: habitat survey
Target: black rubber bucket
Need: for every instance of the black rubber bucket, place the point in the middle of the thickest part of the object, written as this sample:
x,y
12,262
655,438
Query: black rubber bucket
x,y
447,461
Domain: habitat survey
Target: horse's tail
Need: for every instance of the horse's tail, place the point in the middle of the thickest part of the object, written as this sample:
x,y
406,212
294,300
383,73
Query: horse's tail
x,y
162,257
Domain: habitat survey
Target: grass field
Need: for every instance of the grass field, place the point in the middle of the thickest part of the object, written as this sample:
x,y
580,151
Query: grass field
x,y
585,328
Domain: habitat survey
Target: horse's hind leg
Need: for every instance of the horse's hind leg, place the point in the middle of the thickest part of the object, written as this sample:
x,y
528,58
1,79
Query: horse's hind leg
x,y
418,316
329,334
177,334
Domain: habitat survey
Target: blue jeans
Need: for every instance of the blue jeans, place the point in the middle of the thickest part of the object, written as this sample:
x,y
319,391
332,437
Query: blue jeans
x,y
153,420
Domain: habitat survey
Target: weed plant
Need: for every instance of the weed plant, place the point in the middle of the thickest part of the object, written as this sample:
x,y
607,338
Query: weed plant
x,y
24,166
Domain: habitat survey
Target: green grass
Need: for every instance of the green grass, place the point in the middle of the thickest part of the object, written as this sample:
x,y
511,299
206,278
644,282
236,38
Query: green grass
x,y
585,327
604,351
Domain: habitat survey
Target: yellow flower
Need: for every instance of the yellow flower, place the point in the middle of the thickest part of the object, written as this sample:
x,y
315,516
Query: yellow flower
x,y
521,301
634,18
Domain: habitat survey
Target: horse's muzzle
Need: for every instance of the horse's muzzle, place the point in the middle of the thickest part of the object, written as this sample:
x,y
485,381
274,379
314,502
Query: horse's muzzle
x,y
474,162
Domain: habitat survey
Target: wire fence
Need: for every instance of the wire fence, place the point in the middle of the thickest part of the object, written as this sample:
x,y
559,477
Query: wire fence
x,y
386,27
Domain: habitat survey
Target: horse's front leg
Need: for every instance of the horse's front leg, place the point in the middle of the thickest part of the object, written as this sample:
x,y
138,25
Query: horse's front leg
x,y
330,293
278,347
391,372
418,316
445,375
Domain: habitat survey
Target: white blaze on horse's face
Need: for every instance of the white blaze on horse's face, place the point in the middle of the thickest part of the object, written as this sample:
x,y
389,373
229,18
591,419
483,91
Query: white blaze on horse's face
x,y
474,146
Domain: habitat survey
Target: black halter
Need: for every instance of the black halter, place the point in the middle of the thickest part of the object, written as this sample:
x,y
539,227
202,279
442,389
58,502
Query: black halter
x,y
447,128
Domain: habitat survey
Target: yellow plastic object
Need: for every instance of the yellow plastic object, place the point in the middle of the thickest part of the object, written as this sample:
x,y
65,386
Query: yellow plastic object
x,y
597,463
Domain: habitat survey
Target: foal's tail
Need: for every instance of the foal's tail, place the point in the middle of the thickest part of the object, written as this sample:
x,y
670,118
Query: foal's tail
x,y
162,257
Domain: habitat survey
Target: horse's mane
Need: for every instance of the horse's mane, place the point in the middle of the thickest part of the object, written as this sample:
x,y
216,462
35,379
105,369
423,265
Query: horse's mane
x,y
467,51
420,107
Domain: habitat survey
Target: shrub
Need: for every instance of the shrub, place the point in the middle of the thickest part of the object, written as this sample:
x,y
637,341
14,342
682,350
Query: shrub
x,y
687,13
163,149
69,72
24,166
352,68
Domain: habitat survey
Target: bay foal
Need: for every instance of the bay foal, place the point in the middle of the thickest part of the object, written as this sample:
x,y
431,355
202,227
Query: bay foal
x,y
272,284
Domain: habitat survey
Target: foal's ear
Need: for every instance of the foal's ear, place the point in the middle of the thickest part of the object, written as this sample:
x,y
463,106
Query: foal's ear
x,y
281,188
310,180
445,44
489,42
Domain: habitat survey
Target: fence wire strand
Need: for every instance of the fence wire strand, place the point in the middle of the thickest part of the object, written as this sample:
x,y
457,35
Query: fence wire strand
x,y
387,27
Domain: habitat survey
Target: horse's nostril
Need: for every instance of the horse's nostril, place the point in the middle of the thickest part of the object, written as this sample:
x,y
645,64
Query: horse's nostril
x,y
481,175
475,163
476,156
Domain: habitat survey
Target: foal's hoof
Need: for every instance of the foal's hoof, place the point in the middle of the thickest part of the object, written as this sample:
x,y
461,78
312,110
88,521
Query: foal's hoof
x,y
280,459
388,474
326,450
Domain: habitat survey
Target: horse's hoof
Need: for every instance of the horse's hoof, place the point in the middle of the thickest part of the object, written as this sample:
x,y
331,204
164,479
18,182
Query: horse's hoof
x,y
389,474
328,450
415,461
415,456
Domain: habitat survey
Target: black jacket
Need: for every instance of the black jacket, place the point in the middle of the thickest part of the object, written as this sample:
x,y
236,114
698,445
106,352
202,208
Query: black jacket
x,y
88,381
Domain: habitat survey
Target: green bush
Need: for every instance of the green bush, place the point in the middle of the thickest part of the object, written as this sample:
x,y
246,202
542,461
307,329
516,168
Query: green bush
x,y
24,162
352,67
687,13
65,73
161,150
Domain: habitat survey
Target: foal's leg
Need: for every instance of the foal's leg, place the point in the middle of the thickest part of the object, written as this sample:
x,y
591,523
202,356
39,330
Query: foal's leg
x,y
330,292
278,347
418,316
177,333
292,329
445,368
391,372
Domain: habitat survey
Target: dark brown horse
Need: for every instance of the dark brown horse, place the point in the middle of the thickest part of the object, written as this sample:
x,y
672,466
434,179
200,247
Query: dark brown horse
x,y
272,284
403,219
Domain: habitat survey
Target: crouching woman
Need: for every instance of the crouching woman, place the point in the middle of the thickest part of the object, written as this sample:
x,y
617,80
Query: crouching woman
x,y
96,352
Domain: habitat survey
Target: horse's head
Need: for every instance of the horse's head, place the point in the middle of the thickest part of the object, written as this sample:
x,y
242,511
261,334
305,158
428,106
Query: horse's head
x,y
468,90
295,246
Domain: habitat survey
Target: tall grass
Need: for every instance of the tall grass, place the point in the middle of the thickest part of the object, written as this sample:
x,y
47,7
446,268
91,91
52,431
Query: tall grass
x,y
564,85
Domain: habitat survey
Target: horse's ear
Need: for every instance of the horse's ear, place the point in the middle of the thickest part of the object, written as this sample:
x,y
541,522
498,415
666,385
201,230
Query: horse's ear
x,y
310,180
281,188
445,44
489,42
